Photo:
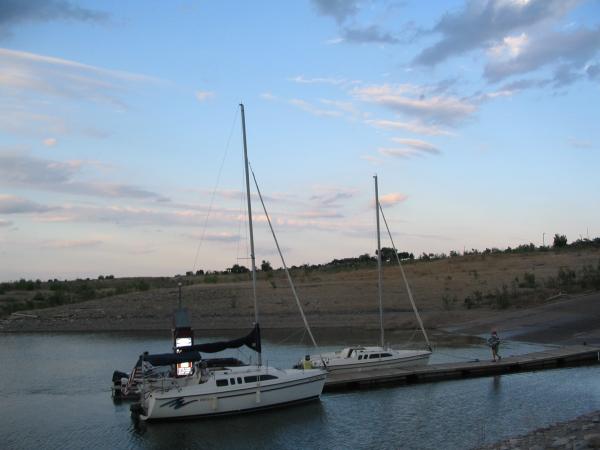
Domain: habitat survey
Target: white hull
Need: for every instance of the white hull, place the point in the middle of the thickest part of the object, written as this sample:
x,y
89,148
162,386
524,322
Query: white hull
x,y
207,399
340,362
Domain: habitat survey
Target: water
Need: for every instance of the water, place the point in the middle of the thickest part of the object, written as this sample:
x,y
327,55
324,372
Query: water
x,y
55,393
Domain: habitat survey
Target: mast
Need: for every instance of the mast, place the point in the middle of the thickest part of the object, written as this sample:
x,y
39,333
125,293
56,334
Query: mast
x,y
410,296
379,281
252,257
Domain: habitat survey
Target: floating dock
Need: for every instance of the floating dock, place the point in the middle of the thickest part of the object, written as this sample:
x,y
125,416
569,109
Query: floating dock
x,y
570,356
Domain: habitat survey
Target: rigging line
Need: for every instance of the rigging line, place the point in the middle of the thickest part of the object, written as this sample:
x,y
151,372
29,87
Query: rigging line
x,y
212,198
410,297
239,233
283,262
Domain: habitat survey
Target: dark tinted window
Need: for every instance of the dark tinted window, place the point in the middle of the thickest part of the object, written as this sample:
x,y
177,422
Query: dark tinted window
x,y
373,356
385,355
232,380
268,377
222,382
251,379
359,356
239,380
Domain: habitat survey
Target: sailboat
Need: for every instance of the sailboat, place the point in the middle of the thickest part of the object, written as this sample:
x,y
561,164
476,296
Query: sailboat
x,y
226,388
358,358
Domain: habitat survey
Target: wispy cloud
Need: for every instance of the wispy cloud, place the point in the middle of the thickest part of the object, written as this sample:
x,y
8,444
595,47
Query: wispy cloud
x,y
71,243
330,195
580,143
12,204
24,74
5,223
413,126
50,142
316,111
202,96
60,176
418,145
392,199
13,13
412,100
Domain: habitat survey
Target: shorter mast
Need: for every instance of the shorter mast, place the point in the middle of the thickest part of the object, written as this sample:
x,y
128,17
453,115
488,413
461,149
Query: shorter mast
x,y
252,257
379,282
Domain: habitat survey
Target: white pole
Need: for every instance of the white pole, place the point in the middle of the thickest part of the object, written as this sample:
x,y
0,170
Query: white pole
x,y
287,272
379,282
252,257
410,296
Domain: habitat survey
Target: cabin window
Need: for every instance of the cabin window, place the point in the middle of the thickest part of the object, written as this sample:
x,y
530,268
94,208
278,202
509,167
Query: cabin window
x,y
251,379
268,377
386,355
222,382
374,355
239,380
232,381
359,356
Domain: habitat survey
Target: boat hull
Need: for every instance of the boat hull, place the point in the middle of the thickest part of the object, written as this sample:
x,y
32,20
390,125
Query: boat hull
x,y
174,404
346,365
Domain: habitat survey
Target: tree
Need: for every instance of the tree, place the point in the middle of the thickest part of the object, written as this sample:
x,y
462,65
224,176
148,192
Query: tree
x,y
266,266
560,240
236,268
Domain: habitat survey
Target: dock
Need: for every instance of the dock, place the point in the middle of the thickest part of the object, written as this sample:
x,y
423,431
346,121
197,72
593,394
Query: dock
x,y
569,356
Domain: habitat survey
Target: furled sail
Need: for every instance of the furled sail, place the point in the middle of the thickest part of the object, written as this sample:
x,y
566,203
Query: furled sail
x,y
252,341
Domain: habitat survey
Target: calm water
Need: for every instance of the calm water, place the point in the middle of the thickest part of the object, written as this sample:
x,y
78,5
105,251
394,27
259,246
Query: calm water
x,y
55,393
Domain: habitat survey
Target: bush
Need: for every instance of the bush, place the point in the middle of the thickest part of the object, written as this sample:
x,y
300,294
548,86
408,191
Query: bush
x,y
528,281
560,240
211,278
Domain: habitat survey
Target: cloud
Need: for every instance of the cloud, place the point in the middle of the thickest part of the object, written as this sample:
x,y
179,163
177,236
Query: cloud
x,y
309,108
329,196
412,100
268,96
5,223
369,34
11,204
571,49
24,75
202,96
58,176
486,23
50,142
392,199
340,10
317,80
13,12
418,145
580,143
413,126
71,243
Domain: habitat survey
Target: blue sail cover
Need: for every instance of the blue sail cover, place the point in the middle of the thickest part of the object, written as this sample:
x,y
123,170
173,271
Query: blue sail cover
x,y
252,341
192,353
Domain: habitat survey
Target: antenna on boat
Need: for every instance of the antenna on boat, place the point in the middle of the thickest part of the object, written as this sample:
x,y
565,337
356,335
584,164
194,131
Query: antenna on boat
x,y
410,296
379,282
252,257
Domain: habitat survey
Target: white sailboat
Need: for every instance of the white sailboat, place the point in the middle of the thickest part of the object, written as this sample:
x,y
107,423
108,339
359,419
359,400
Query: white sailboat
x,y
228,389
357,358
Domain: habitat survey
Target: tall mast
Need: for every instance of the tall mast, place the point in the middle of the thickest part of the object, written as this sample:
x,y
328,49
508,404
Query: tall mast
x,y
379,281
252,257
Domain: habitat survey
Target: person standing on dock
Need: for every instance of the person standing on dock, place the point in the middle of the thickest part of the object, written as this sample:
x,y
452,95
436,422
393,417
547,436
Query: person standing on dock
x,y
494,343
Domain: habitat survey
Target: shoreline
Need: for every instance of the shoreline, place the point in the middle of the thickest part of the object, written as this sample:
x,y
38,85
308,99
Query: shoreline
x,y
578,433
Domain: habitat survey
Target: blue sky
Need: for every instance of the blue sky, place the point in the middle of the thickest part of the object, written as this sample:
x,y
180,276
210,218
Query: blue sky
x,y
120,142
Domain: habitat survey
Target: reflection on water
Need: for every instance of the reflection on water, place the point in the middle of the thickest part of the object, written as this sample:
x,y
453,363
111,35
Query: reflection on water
x,y
55,393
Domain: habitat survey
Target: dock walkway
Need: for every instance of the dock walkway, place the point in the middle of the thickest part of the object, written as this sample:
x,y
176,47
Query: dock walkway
x,y
548,359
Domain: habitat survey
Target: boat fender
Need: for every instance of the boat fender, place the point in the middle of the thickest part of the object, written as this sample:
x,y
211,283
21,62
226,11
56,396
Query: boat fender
x,y
214,403
258,396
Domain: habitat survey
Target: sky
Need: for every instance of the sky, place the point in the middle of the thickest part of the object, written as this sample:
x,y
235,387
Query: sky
x,y
120,132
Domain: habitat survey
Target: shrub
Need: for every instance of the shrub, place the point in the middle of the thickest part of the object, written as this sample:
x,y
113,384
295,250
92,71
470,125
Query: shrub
x,y
528,280
211,278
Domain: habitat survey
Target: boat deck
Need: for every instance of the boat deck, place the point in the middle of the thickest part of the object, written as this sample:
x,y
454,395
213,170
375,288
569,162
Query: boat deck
x,y
549,359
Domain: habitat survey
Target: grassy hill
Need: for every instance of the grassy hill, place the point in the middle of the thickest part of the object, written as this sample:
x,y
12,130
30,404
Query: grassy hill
x,y
446,289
